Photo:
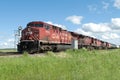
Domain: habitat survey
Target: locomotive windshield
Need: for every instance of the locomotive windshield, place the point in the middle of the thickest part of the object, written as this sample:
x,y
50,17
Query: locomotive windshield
x,y
35,25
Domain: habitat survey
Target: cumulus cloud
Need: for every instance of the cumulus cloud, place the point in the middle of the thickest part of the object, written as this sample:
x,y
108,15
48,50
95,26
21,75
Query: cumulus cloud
x,y
104,31
117,4
75,19
110,36
11,40
58,25
92,27
81,31
8,43
116,23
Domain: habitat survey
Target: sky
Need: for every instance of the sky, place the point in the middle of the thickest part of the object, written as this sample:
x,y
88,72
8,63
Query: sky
x,y
95,18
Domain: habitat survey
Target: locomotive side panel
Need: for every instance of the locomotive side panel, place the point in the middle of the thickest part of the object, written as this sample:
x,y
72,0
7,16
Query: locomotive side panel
x,y
65,37
55,35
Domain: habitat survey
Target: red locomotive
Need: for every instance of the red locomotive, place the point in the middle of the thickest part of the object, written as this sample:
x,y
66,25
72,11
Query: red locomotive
x,y
40,36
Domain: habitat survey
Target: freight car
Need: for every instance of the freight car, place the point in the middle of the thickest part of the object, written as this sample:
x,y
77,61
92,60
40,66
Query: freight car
x,y
40,36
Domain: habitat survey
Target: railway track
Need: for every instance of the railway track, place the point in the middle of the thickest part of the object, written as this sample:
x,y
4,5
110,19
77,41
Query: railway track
x,y
16,54
2,54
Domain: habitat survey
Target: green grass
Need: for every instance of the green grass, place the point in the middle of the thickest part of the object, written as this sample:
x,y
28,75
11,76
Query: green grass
x,y
8,50
69,65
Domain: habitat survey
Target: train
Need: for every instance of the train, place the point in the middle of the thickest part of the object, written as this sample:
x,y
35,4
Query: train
x,y
40,36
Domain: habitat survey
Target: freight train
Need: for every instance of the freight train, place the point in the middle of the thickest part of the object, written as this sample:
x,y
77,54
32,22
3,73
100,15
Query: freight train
x,y
39,36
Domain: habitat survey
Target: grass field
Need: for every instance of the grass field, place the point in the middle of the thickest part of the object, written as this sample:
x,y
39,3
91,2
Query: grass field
x,y
68,65
8,50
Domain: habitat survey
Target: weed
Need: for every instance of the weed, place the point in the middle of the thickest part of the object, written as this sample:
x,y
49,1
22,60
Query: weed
x,y
25,54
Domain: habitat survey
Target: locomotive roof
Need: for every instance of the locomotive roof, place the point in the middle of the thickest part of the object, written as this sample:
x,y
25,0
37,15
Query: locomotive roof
x,y
38,22
46,23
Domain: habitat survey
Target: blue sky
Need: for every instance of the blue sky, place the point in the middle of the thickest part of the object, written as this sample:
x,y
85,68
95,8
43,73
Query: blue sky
x,y
96,18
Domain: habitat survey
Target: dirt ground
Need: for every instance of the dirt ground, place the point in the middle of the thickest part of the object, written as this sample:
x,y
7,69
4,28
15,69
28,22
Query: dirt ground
x,y
16,54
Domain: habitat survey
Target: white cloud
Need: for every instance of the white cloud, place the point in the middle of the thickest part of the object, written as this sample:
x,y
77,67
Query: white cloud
x,y
58,25
104,31
49,22
105,5
117,4
116,23
92,27
75,19
81,31
7,43
92,8
11,40
110,36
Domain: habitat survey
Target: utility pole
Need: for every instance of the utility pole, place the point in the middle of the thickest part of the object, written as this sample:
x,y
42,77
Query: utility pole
x,y
17,34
